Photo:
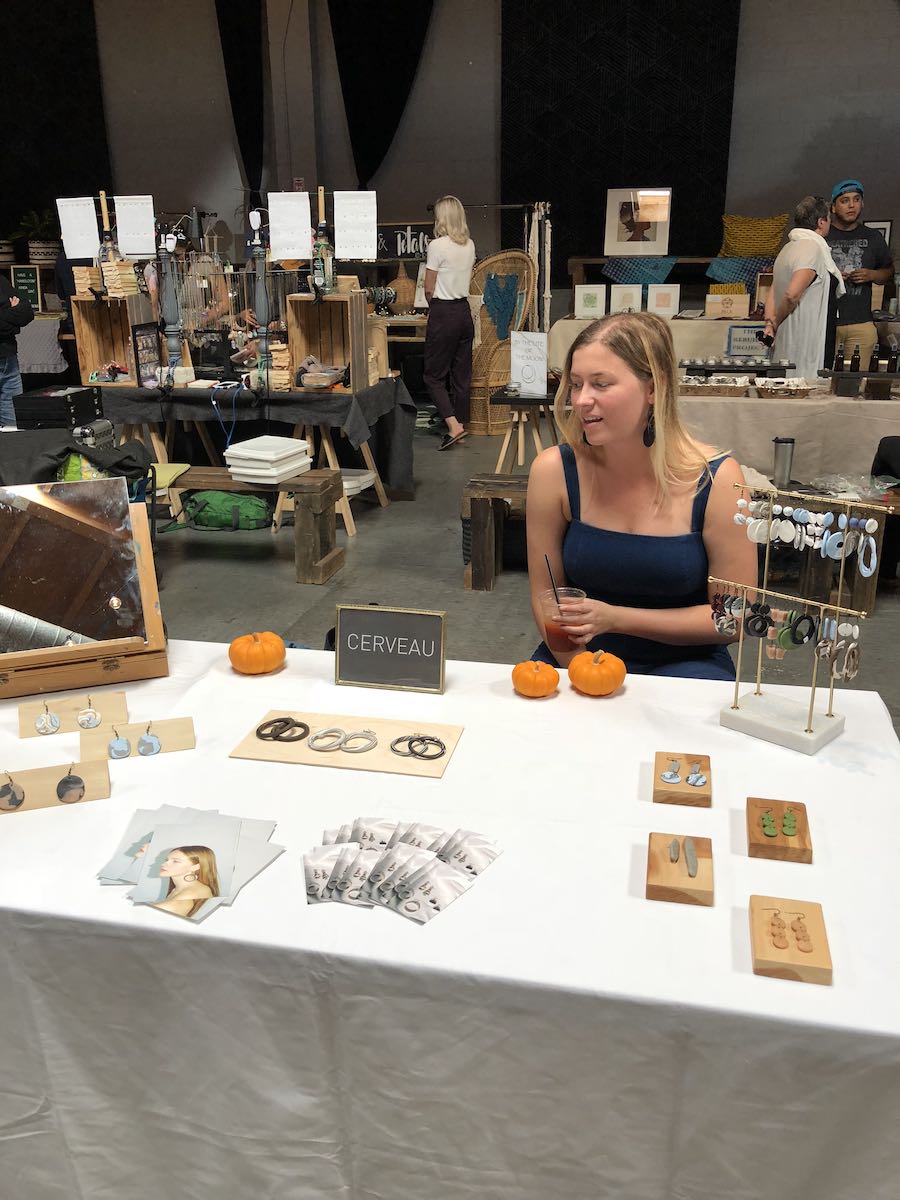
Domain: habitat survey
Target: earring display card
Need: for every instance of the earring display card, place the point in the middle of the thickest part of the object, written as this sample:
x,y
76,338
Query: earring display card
x,y
380,758
779,817
672,880
812,965
110,706
176,733
689,782
53,787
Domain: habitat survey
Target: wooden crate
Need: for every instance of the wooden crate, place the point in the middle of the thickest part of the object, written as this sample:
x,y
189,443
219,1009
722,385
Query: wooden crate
x,y
333,330
103,333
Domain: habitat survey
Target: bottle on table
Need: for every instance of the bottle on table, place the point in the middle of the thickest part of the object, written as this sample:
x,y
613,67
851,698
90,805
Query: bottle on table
x,y
839,358
323,260
874,360
854,360
892,361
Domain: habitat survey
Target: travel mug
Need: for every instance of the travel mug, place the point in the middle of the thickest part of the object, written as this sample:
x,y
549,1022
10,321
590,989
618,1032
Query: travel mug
x,y
784,460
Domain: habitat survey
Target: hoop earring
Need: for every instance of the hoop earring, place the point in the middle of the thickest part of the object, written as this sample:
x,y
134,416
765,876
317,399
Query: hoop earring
x,y
649,435
867,569
191,877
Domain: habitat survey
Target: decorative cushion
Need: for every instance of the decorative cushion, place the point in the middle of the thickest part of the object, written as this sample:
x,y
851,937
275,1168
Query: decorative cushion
x,y
748,237
727,289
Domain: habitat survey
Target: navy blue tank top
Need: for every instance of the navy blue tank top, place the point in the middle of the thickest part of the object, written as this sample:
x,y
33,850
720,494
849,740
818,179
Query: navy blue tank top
x,y
636,570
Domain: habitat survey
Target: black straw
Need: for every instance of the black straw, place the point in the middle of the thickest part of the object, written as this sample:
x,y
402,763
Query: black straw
x,y
552,580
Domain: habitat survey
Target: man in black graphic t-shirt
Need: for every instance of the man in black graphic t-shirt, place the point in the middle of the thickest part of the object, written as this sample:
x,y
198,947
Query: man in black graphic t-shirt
x,y
862,256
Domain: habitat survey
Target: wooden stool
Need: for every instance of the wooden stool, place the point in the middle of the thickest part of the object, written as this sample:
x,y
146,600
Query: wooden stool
x,y
487,502
316,557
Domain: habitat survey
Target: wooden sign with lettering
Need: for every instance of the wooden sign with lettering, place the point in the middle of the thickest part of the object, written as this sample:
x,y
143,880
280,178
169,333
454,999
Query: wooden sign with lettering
x,y
389,648
405,240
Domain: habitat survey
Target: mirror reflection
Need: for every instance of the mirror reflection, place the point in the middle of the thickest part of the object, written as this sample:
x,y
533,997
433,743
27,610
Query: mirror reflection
x,y
68,571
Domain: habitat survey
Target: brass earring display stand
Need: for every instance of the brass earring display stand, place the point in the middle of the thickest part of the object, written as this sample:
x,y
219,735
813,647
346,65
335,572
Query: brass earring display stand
x,y
774,718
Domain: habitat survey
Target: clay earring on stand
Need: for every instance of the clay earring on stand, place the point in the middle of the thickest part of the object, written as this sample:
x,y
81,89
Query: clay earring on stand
x,y
777,929
118,747
767,820
696,778
148,743
47,722
789,823
671,776
88,718
11,795
801,933
70,788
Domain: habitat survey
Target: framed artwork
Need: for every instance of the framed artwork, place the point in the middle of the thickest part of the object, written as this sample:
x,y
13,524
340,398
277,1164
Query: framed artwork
x,y
637,221
728,305
763,284
625,297
663,299
590,300
883,227
147,357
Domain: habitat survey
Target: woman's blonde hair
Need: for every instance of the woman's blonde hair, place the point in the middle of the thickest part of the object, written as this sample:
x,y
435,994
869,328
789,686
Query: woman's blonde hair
x,y
643,341
450,220
205,861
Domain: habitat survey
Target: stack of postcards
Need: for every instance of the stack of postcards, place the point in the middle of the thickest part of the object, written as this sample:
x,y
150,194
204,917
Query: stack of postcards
x,y
188,861
268,459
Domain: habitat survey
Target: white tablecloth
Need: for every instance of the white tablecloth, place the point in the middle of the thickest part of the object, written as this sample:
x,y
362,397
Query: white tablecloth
x,y
832,435
553,1034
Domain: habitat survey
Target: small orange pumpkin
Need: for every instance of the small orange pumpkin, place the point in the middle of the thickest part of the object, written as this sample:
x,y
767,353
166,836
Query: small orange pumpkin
x,y
535,679
256,653
596,674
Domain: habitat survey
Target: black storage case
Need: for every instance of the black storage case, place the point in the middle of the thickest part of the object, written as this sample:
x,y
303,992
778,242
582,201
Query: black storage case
x,y
58,407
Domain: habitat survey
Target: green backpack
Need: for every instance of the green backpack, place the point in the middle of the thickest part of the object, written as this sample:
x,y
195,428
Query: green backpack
x,y
227,510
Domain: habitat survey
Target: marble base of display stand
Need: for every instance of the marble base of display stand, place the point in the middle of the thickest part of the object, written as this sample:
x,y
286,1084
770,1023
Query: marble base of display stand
x,y
782,721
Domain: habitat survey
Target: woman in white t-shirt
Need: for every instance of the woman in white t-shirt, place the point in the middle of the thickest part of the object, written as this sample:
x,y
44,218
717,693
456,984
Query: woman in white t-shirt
x,y
450,332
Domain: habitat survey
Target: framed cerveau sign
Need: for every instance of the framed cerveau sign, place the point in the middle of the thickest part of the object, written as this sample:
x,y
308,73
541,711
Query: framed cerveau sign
x,y
401,648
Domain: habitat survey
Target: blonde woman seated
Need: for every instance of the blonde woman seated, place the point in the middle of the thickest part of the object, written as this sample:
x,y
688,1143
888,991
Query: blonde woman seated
x,y
634,511
193,879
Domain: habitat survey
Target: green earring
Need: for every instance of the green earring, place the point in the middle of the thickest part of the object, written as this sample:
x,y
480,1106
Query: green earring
x,y
789,823
769,828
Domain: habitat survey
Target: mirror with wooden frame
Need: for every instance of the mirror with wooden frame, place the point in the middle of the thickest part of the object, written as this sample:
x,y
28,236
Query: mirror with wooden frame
x,y
79,604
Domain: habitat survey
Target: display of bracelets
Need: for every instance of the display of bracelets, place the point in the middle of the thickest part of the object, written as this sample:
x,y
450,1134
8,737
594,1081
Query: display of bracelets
x,y
412,869
834,536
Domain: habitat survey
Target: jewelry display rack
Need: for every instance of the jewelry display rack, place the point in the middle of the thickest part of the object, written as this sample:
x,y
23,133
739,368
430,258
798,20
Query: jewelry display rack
x,y
774,718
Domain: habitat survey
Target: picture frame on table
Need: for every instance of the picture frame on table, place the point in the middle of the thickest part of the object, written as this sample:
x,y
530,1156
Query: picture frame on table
x,y
883,227
664,299
637,221
625,297
590,301
147,353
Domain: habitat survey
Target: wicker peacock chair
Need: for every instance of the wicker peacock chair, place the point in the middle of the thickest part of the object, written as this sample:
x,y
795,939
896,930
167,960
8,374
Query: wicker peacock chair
x,y
490,357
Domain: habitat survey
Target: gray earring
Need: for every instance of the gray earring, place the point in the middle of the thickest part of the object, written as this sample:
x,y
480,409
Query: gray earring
x,y
47,722
118,747
12,795
696,777
88,718
671,776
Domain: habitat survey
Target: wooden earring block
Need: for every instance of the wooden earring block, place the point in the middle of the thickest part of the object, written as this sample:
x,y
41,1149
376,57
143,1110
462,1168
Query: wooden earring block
x,y
681,793
812,967
667,880
174,733
112,707
785,849
40,785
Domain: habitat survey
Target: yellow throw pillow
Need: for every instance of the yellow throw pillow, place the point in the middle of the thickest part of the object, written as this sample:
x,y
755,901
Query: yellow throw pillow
x,y
727,289
752,237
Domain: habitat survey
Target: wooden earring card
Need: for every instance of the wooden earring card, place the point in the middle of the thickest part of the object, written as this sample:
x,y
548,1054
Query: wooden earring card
x,y
53,787
672,881
112,707
813,966
380,758
682,792
782,847
175,733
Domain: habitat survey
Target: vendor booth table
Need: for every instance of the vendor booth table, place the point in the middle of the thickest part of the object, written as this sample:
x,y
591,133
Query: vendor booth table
x,y
383,415
552,1034
698,337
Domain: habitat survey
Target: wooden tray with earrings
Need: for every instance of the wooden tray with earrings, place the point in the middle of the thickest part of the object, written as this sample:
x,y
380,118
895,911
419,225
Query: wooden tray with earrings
x,y
680,869
53,787
72,713
788,940
140,739
680,778
778,829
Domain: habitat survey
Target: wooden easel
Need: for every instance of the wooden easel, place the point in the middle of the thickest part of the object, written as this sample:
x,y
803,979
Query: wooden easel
x,y
520,410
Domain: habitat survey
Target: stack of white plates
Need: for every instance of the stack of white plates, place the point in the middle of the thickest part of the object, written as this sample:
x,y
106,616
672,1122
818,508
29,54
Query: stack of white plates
x,y
356,480
268,459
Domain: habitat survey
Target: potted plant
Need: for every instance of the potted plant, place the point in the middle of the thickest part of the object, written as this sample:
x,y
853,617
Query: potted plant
x,y
40,230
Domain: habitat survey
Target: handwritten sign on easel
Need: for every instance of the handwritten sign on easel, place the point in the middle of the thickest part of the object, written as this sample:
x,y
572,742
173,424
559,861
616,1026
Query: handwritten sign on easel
x,y
355,226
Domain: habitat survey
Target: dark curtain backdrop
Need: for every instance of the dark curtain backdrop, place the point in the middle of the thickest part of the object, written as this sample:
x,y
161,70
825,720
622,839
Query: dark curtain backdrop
x,y
53,134
378,47
241,37
599,95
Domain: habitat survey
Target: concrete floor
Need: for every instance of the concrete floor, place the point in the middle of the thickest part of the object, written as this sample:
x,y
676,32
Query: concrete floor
x,y
217,585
